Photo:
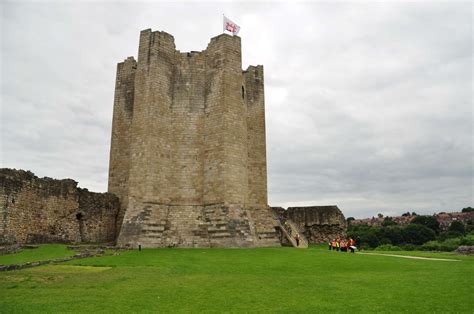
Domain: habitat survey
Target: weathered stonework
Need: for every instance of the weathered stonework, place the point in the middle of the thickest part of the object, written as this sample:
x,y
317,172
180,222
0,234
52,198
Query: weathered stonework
x,y
44,210
319,223
188,152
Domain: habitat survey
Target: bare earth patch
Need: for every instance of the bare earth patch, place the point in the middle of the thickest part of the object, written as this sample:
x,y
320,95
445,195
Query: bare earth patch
x,y
76,268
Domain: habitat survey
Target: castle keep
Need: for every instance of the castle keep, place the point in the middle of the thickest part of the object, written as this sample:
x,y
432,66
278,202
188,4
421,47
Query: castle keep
x,y
188,152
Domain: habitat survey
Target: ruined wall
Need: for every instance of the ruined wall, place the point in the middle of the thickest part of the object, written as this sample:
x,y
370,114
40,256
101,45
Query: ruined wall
x,y
194,149
320,223
44,210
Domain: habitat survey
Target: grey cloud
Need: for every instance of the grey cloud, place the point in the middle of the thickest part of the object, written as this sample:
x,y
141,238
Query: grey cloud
x,y
369,105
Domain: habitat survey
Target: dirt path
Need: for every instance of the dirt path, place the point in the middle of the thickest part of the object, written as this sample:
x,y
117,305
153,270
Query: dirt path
x,y
414,257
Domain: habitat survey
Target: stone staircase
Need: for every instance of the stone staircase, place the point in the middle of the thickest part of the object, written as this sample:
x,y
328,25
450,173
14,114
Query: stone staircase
x,y
289,229
152,228
158,225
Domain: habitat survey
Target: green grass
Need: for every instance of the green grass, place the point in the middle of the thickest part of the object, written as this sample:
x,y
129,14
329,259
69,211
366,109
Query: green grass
x,y
44,252
242,280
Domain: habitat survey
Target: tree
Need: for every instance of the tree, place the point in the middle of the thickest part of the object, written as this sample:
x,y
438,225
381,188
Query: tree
x,y
467,210
394,234
388,221
457,226
379,215
365,235
414,214
417,234
470,226
349,220
370,239
427,221
407,214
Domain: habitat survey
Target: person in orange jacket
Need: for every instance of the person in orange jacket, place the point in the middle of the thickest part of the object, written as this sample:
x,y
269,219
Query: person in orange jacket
x,y
352,246
343,245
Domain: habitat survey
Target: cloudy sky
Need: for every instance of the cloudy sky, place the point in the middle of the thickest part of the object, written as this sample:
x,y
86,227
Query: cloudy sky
x,y
369,104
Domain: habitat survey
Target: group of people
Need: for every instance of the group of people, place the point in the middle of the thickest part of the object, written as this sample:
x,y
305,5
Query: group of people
x,y
342,245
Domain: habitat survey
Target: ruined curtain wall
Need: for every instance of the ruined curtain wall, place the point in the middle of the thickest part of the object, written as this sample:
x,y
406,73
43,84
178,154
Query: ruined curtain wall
x,y
319,223
44,210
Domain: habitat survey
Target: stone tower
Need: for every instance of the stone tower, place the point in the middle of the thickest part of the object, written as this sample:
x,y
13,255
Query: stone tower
x,y
188,152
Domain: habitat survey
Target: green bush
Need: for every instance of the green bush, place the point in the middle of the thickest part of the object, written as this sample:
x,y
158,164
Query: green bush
x,y
442,236
365,236
394,234
388,221
457,226
431,246
409,247
370,239
470,229
388,247
453,234
417,234
467,240
427,221
448,245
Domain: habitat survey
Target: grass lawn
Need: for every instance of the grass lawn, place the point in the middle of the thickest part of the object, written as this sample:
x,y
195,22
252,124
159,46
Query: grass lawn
x,y
242,280
44,252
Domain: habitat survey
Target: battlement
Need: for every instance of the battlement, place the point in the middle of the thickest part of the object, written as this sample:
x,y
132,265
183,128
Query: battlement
x,y
158,36
255,71
224,39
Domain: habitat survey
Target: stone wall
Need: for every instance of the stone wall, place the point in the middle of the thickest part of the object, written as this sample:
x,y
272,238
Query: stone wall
x,y
188,138
45,210
320,223
155,225
121,135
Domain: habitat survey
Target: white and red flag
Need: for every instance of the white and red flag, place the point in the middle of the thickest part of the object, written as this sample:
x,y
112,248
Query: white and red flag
x,y
231,26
